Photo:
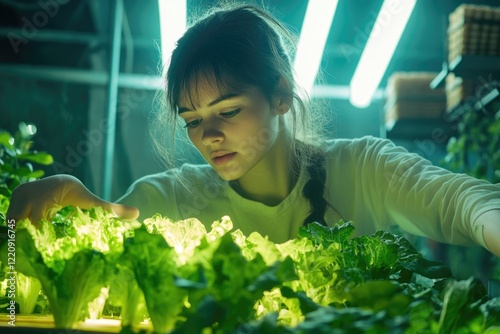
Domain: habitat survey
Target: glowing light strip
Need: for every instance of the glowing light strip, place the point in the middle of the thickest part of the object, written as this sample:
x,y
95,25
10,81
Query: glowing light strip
x,y
173,14
384,37
315,29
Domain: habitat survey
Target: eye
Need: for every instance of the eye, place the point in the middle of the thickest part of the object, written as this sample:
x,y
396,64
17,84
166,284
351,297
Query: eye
x,y
193,124
231,113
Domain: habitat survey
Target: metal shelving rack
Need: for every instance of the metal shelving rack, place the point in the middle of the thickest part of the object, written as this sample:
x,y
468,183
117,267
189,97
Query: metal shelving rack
x,y
470,67
112,79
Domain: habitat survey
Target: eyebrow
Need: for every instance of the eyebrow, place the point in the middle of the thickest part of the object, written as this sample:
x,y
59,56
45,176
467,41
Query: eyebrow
x,y
221,98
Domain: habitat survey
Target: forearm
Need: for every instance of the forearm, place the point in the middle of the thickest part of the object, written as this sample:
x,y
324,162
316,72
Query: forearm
x,y
490,221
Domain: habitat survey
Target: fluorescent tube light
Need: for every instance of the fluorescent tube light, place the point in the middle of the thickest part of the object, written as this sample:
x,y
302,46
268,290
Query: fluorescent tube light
x,y
173,14
315,30
384,37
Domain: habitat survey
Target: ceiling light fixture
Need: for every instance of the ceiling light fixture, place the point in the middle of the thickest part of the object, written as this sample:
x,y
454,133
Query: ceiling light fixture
x,y
315,30
384,37
173,18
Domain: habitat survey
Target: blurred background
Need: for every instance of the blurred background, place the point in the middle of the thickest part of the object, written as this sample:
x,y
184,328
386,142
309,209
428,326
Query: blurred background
x,y
85,73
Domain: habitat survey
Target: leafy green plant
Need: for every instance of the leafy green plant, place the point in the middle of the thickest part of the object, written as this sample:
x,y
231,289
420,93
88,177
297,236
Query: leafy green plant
x,y
476,148
16,162
74,261
186,279
220,281
126,299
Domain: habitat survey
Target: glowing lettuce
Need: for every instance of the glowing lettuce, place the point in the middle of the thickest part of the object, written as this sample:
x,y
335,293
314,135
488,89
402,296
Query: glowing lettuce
x,y
72,257
190,279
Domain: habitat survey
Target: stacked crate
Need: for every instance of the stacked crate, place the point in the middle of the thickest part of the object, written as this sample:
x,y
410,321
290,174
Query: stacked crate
x,y
409,96
459,90
474,30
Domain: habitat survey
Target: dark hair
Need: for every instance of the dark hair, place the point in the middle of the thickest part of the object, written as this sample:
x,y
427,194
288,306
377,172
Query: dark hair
x,y
314,188
234,49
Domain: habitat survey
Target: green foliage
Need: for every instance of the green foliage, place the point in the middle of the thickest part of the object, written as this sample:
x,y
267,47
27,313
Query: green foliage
x,y
73,262
186,279
16,162
460,297
126,298
152,261
16,167
476,149
190,280
28,290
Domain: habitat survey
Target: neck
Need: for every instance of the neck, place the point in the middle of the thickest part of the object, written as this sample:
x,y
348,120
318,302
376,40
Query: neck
x,y
272,179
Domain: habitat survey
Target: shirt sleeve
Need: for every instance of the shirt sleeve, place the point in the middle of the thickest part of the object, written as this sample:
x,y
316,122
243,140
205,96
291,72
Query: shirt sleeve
x,y
428,200
152,195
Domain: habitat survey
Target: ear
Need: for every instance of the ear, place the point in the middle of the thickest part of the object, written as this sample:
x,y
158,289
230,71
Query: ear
x,y
283,99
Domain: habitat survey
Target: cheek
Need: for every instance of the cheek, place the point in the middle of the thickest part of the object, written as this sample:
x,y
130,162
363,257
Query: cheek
x,y
257,137
194,138
266,128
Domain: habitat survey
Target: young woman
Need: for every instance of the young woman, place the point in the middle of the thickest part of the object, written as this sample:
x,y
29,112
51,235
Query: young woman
x,y
230,85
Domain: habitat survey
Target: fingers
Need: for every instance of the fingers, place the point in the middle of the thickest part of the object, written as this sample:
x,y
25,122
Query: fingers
x,y
38,212
76,194
124,211
35,200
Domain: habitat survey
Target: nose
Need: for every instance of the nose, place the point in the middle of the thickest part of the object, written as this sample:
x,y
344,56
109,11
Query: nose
x,y
212,133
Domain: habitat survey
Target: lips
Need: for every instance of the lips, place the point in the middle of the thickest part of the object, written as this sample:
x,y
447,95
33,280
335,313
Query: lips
x,y
222,157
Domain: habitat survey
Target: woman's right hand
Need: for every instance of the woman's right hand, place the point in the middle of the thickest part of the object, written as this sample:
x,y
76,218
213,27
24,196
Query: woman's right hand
x,y
34,200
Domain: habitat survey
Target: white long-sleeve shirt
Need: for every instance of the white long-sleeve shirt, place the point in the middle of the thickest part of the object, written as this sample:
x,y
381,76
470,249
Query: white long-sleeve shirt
x,y
370,181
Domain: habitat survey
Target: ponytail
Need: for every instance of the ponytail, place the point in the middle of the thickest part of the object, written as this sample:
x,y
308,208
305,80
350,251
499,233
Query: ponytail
x,y
314,189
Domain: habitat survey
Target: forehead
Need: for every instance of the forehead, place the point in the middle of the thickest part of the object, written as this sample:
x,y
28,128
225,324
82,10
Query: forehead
x,y
199,91
202,88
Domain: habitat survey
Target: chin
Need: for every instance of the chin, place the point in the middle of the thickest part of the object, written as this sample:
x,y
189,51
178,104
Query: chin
x,y
227,177
229,173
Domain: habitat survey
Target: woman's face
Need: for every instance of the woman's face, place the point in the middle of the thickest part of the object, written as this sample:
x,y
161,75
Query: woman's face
x,y
234,131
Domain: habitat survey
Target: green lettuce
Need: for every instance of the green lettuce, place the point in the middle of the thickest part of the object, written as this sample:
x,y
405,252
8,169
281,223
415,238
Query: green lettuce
x,y
187,279
73,262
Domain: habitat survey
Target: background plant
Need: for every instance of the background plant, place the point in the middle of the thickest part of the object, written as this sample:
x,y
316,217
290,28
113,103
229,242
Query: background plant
x,y
17,159
475,150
